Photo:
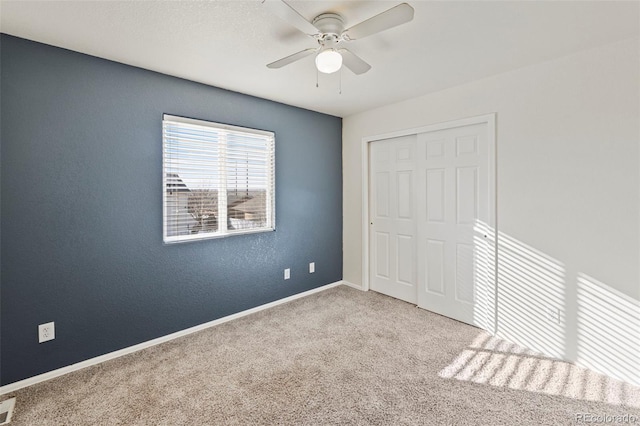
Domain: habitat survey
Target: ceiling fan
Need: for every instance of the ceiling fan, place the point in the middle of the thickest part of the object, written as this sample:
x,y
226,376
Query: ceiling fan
x,y
329,31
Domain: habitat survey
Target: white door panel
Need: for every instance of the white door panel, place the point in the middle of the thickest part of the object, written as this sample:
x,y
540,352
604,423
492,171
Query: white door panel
x,y
453,166
430,234
392,215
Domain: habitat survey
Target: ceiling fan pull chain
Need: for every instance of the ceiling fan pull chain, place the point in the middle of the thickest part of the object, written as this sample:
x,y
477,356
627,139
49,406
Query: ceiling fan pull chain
x,y
340,83
317,72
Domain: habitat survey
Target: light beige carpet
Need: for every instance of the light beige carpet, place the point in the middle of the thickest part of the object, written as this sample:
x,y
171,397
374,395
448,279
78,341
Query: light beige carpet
x,y
337,357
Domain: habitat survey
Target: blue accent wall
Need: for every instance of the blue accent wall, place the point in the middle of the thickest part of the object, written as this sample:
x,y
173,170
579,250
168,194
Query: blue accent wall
x,y
81,208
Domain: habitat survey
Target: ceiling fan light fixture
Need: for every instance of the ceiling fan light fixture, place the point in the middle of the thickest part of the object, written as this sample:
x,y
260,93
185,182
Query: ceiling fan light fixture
x,y
328,61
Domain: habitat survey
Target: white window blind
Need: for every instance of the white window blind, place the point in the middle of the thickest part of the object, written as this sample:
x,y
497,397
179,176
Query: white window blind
x,y
218,179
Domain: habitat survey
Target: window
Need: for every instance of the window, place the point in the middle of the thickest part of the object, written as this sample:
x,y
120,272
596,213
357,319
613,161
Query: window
x,y
218,180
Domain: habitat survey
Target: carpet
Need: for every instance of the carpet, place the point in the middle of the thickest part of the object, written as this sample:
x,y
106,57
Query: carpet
x,y
342,357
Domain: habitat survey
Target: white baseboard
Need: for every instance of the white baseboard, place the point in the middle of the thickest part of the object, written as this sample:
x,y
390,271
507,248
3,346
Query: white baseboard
x,y
356,286
12,387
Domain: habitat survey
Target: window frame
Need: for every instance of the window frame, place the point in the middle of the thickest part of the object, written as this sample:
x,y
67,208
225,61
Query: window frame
x,y
222,231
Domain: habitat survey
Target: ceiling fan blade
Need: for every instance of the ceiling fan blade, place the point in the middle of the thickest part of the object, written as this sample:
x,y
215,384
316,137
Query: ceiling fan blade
x,y
393,17
292,58
353,62
290,15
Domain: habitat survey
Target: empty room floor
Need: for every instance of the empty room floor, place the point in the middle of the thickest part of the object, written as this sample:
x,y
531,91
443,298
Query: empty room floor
x,y
340,356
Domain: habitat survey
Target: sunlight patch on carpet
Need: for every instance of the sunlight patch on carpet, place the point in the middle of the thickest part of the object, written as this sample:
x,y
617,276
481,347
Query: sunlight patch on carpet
x,y
496,362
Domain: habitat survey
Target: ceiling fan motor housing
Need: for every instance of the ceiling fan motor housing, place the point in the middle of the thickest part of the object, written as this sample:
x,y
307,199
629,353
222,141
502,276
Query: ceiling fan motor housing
x,y
329,24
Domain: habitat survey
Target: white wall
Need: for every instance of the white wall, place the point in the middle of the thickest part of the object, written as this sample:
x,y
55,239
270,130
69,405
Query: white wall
x,y
568,193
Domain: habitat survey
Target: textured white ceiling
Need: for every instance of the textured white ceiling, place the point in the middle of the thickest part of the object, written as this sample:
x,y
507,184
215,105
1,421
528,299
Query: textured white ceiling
x,y
228,43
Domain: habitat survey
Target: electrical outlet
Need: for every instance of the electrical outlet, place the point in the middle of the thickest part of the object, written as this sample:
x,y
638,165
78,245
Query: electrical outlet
x,y
553,314
287,274
6,410
46,332
312,267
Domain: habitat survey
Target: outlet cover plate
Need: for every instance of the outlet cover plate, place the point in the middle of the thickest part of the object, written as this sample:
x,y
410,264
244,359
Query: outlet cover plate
x,y
553,314
312,267
46,332
287,274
